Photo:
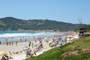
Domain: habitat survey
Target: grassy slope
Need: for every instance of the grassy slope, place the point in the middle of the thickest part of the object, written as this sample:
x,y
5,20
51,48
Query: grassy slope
x,y
57,53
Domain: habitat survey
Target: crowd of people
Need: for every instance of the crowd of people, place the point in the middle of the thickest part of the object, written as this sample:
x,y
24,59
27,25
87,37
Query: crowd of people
x,y
33,47
37,45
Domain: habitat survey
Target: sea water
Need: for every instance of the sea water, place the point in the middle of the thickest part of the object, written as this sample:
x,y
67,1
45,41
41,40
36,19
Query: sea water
x,y
26,36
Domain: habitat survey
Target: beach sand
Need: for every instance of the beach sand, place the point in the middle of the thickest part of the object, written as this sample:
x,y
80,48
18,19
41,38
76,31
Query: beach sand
x,y
19,47
13,48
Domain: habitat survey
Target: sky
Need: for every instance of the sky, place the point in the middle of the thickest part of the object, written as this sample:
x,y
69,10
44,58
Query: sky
x,y
61,10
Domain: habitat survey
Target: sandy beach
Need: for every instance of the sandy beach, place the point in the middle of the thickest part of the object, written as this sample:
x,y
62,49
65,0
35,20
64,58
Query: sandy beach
x,y
19,48
17,53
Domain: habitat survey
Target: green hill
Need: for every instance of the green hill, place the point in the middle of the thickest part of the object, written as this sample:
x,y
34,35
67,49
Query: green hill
x,y
11,23
78,50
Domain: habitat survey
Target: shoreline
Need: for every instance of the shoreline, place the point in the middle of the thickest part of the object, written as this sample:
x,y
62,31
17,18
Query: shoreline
x,y
19,47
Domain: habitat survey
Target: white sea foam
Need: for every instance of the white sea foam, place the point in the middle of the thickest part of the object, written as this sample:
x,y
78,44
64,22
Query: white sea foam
x,y
25,36
18,34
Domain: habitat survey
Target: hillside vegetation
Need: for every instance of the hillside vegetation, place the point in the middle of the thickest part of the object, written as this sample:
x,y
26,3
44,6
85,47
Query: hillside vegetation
x,y
11,23
78,50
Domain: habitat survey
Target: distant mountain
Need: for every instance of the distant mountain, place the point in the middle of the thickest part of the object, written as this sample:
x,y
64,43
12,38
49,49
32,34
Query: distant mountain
x,y
11,23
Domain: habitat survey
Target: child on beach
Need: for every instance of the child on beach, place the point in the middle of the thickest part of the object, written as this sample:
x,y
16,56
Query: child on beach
x,y
28,53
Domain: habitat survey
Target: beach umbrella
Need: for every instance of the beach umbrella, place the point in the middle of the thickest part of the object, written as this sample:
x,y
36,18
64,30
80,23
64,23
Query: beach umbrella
x,y
36,44
38,41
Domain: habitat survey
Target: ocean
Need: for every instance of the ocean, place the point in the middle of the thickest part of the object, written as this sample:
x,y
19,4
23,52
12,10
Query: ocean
x,y
25,36
17,32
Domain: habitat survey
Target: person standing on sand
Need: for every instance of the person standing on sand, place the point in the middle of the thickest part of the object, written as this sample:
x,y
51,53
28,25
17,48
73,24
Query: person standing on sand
x,y
41,45
0,42
16,43
32,44
6,42
28,53
29,43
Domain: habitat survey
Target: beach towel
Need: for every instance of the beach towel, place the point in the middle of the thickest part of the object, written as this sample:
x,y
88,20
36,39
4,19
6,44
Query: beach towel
x,y
26,48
